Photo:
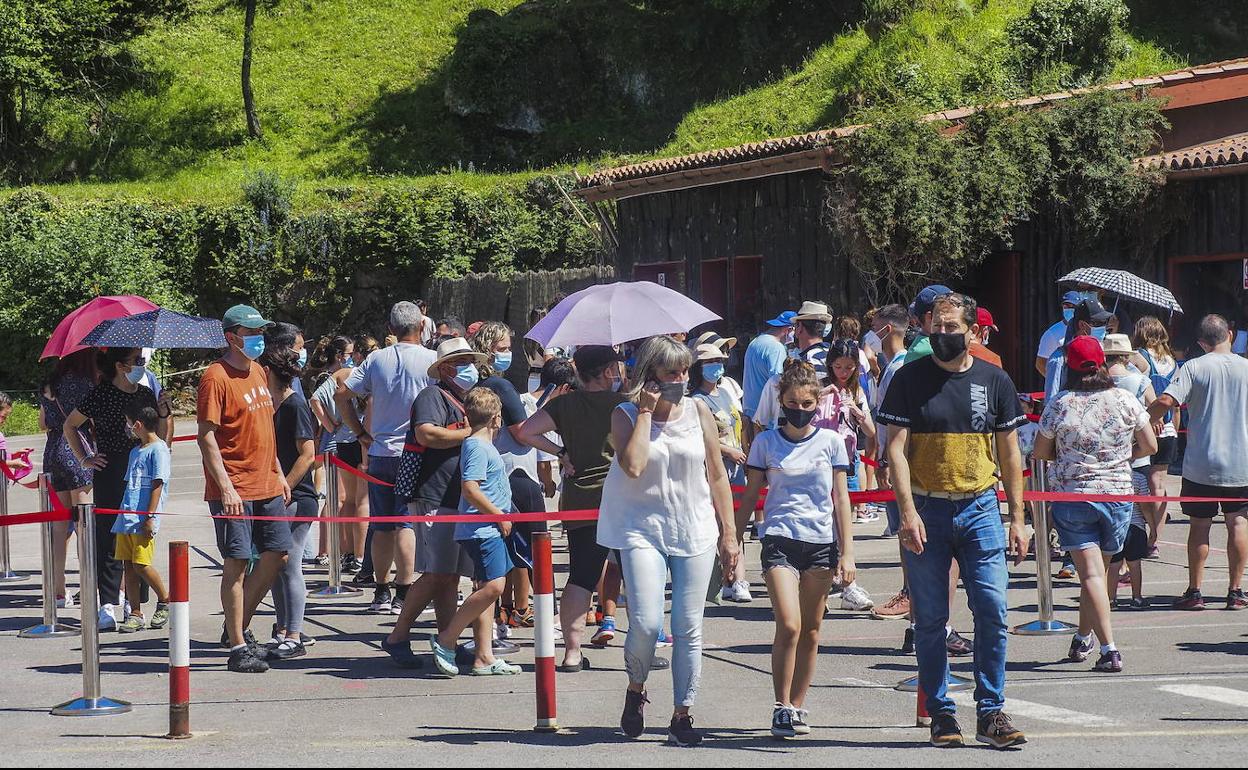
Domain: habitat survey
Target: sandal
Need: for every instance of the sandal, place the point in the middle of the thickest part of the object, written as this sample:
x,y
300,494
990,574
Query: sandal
x,y
566,669
500,667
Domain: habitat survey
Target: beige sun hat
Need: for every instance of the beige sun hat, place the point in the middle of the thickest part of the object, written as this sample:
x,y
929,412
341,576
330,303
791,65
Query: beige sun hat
x,y
813,311
709,353
1117,345
453,349
711,338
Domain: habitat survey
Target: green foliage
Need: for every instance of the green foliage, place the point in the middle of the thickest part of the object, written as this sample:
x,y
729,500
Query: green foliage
x,y
270,195
912,204
23,421
336,267
1068,43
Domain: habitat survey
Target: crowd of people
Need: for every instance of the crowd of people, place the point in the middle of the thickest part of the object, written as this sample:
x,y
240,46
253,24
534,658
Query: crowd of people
x,y
681,461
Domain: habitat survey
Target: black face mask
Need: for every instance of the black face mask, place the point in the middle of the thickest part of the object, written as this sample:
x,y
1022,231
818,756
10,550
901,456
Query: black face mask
x,y
798,418
948,347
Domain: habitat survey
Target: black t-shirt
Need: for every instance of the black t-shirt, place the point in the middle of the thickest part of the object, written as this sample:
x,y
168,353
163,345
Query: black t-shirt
x,y
292,423
438,481
513,408
952,417
106,407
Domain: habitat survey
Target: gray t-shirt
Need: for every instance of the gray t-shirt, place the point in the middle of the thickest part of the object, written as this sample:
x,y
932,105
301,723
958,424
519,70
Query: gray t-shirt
x,y
392,377
1215,389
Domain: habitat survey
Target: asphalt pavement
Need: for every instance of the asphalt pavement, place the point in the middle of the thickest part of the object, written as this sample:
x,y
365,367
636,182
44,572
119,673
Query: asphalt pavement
x,y
1183,698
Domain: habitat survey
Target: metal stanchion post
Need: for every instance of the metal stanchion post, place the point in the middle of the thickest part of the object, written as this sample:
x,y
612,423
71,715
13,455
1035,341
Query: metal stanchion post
x,y
544,632
954,683
179,641
1046,625
50,627
92,703
7,575
335,589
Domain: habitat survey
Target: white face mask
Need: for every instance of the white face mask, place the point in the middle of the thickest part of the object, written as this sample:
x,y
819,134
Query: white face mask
x,y
873,342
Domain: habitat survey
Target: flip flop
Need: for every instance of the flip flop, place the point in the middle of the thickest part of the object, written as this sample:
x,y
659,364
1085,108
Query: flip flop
x,y
584,666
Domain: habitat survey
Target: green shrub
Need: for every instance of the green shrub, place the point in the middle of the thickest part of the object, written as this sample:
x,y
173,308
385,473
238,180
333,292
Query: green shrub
x,y
1068,43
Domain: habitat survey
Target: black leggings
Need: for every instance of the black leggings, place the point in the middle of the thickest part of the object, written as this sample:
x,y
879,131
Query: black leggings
x,y
586,559
110,486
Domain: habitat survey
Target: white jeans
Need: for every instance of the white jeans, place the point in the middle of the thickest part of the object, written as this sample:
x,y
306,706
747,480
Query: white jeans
x,y
645,574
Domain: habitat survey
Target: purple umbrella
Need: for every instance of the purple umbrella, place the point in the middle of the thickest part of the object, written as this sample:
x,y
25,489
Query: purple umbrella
x,y
614,313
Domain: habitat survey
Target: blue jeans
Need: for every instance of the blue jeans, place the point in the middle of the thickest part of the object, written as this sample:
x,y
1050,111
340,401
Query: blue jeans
x,y
971,532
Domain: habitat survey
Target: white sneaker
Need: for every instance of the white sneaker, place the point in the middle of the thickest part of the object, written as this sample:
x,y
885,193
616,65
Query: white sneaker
x,y
108,622
856,599
739,592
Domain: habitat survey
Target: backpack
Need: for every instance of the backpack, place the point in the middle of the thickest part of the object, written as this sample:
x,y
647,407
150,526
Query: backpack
x,y
1160,381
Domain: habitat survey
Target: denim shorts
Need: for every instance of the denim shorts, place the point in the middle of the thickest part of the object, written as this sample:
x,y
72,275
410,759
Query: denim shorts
x,y
384,501
240,538
1081,526
489,557
798,555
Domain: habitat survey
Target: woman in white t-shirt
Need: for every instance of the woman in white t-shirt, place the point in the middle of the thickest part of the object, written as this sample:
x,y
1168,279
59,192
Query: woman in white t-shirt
x,y
1155,359
807,505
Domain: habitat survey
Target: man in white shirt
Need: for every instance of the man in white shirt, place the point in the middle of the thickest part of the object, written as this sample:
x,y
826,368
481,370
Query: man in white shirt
x,y
1055,336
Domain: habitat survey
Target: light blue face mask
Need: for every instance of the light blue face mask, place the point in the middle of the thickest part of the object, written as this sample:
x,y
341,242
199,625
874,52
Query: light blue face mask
x,y
136,374
1099,333
253,346
502,361
1068,314
303,357
466,376
713,372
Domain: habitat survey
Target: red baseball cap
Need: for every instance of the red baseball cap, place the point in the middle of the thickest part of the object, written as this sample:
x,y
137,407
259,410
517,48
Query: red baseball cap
x,y
1084,354
984,319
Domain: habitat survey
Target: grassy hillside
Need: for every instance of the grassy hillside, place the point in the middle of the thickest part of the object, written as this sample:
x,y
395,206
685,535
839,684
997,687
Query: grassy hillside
x,y
375,92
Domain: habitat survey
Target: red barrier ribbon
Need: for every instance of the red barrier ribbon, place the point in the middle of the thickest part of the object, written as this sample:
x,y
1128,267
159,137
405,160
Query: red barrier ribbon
x,y
357,472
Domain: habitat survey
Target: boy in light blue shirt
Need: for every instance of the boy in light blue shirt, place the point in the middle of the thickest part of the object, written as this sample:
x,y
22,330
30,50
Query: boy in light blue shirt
x,y
147,483
486,491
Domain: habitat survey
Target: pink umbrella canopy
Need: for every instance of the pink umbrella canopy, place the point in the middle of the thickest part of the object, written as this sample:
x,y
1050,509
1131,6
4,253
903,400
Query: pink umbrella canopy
x,y
79,323
614,313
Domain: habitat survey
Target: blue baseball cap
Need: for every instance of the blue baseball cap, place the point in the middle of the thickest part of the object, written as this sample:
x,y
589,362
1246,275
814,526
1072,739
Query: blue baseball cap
x,y
923,303
784,319
1072,298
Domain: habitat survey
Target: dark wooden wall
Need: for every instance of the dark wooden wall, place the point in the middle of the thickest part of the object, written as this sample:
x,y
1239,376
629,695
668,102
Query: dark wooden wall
x,y
778,218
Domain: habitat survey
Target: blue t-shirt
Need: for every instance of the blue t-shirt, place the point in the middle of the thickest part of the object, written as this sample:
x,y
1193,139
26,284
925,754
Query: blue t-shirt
x,y
146,465
764,359
481,462
393,377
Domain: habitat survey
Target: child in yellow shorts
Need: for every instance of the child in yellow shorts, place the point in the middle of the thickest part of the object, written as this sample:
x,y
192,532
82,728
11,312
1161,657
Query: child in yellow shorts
x,y
147,482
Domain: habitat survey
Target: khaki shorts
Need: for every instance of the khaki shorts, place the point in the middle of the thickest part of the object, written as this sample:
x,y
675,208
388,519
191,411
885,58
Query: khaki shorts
x,y
437,552
137,549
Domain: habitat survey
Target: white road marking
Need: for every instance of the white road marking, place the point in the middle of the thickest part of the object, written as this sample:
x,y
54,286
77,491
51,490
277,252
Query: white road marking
x,y
1029,710
1223,695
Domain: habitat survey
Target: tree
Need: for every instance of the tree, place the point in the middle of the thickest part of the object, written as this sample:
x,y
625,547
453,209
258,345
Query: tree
x,y
249,99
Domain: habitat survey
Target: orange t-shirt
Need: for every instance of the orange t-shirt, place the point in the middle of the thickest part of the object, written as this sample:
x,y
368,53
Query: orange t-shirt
x,y
239,403
982,352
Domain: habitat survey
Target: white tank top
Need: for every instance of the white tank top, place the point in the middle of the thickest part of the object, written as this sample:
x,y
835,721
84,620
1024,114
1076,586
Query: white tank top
x,y
668,508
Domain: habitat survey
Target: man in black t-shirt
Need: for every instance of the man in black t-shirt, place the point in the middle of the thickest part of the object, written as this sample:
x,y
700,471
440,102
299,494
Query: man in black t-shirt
x,y
437,431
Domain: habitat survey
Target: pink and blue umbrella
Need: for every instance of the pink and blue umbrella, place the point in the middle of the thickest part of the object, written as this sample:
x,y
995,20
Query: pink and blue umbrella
x,y
615,313
161,329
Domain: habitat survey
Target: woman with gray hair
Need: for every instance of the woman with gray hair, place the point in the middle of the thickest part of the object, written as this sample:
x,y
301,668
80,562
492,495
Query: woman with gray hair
x,y
666,505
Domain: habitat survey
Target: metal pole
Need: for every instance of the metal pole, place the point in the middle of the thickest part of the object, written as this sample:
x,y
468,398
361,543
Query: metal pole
x,y
92,703
1046,625
544,633
335,589
7,575
50,627
179,641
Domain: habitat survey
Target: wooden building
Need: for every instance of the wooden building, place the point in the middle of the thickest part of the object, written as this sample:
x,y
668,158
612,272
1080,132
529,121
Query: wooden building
x,y
742,229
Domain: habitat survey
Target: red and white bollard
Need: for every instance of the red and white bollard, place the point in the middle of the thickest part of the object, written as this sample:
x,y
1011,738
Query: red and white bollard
x,y
544,632
179,641
921,717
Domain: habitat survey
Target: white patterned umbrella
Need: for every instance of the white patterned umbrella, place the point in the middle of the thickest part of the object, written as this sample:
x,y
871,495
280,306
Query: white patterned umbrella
x,y
1125,285
615,313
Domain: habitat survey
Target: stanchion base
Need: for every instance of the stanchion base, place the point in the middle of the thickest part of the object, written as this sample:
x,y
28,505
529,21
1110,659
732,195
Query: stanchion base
x,y
9,576
954,683
332,592
172,737
547,726
44,631
923,722
91,707
1043,628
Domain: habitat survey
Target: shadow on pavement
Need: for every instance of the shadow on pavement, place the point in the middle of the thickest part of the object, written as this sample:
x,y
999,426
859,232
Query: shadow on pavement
x,y
735,740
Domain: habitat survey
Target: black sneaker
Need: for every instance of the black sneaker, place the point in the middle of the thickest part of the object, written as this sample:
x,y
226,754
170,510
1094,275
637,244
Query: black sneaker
x,y
245,661
998,731
1079,651
957,645
946,733
288,650
383,600
363,579
248,638
349,565
681,732
1110,663
633,720
782,722
907,643
1236,599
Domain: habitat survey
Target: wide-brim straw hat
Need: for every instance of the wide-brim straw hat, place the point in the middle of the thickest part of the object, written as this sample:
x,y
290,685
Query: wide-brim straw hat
x,y
711,338
813,311
455,348
709,353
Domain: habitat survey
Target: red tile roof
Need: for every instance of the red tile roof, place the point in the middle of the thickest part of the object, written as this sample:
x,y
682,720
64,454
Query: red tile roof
x,y
823,138
1229,151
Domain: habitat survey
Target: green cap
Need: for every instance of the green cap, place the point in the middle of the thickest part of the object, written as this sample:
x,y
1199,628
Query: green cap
x,y
245,316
